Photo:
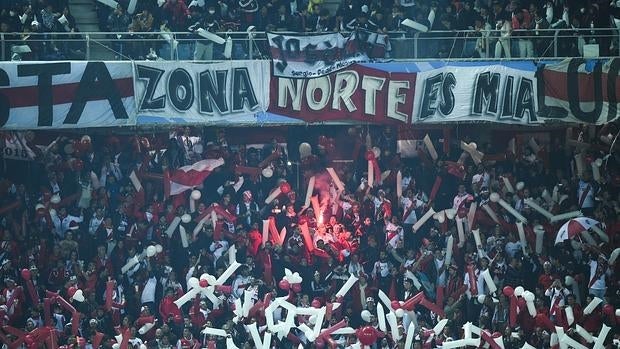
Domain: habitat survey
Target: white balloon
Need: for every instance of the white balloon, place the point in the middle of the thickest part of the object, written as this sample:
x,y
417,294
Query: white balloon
x,y
451,213
159,248
399,312
116,346
312,319
494,197
305,150
519,291
186,218
196,195
441,218
481,298
55,199
376,151
529,296
78,296
267,172
520,185
151,251
366,315
192,282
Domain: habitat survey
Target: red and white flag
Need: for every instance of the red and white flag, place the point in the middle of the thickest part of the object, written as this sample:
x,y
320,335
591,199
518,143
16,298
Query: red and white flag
x,y
583,92
188,177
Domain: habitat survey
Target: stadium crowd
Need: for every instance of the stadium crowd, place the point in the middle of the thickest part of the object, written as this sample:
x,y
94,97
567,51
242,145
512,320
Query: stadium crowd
x,y
487,28
99,203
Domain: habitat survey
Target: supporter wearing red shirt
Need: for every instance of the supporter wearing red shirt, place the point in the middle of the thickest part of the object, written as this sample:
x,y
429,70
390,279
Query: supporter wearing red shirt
x,y
546,279
188,341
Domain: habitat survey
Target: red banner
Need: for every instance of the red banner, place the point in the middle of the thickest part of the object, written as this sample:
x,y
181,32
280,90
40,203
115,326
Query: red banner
x,y
357,93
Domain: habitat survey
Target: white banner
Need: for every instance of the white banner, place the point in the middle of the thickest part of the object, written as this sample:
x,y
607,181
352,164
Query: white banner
x,y
233,92
16,148
492,93
308,56
40,95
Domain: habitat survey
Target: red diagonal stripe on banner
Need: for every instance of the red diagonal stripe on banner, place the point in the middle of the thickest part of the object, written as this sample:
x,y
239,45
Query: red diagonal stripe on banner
x,y
556,85
28,96
191,178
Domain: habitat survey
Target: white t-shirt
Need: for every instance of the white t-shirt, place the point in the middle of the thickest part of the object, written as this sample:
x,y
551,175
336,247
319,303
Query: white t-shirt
x,y
558,297
411,217
599,284
148,293
588,200
512,248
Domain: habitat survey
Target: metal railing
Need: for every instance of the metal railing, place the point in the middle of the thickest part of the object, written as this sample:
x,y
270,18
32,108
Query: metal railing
x,y
473,44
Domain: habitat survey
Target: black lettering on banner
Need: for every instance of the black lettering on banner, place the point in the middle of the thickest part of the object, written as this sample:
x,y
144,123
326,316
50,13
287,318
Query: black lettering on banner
x,y
281,64
213,91
430,95
525,101
572,82
292,46
4,100
612,93
44,72
285,46
508,97
96,83
311,54
447,104
152,76
181,81
242,90
486,93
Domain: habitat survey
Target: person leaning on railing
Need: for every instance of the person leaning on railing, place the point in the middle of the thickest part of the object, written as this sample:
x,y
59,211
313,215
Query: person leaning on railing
x,y
142,23
502,47
521,23
118,21
204,47
542,41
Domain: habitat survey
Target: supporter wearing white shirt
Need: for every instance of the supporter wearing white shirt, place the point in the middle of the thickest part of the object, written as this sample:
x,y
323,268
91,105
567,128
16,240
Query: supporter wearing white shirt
x,y
598,272
482,178
381,267
354,265
410,203
512,246
461,198
557,294
148,293
242,282
95,222
393,234
586,193
218,248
